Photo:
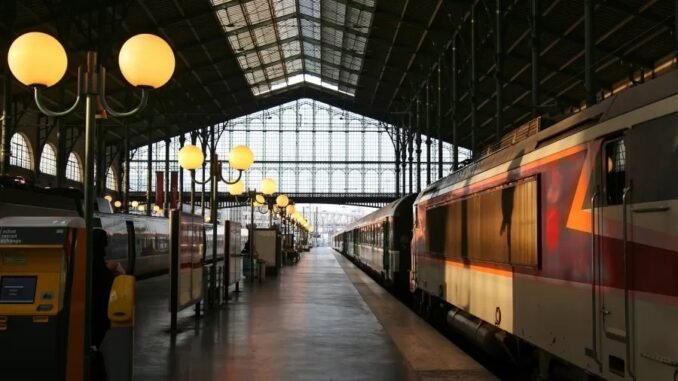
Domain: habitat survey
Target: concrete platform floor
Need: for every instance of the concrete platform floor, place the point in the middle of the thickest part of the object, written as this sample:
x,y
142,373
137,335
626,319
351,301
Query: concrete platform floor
x,y
322,319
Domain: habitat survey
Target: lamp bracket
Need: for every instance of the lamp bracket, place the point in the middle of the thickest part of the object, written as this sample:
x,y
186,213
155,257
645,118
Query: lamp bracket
x,y
104,103
45,110
221,176
199,182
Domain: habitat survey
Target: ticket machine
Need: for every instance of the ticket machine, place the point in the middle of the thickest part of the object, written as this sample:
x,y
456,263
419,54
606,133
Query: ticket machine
x,y
42,299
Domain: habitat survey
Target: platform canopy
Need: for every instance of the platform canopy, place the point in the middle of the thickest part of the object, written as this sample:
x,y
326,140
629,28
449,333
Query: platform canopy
x,y
372,57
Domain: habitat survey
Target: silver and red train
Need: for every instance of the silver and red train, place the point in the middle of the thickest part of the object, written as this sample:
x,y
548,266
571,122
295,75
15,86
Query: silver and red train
x,y
562,239
144,237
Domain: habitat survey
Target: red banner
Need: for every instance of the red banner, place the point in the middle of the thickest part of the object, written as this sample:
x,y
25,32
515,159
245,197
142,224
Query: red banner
x,y
159,188
174,189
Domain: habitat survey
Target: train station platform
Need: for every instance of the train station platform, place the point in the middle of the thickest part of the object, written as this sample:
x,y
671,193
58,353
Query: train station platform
x,y
323,319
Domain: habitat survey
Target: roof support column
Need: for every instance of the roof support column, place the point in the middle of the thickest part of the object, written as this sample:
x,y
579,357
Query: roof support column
x,y
474,81
205,136
194,140
61,154
398,148
125,174
410,150
439,117
428,134
535,12
6,123
7,118
403,153
149,170
589,52
499,68
455,137
675,24
100,160
182,142
418,141
165,200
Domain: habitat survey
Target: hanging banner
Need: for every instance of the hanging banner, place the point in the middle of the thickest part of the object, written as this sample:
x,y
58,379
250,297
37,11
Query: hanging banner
x,y
174,189
159,188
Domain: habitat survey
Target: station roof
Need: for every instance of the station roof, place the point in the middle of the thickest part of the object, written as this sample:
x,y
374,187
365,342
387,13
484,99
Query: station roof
x,y
371,57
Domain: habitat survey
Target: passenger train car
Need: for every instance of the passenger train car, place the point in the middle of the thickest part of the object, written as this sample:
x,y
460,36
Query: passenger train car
x,y
147,236
566,238
380,242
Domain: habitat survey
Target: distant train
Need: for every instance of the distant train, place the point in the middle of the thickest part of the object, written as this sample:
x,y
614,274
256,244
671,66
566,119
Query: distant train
x,y
562,242
380,242
150,235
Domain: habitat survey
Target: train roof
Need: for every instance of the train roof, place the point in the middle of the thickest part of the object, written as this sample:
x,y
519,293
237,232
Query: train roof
x,y
531,136
391,209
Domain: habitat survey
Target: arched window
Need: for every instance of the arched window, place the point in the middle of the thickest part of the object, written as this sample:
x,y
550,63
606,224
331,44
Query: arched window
x,y
20,152
111,180
74,168
48,160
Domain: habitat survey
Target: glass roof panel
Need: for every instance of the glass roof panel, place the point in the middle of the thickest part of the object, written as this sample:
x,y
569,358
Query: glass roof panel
x,y
310,29
265,35
281,43
270,54
311,49
257,11
287,29
284,7
310,8
291,49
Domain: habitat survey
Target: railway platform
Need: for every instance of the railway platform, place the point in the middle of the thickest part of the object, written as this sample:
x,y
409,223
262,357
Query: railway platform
x,y
323,319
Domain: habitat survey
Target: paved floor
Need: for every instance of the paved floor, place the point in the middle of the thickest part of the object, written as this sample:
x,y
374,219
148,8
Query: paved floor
x,y
309,323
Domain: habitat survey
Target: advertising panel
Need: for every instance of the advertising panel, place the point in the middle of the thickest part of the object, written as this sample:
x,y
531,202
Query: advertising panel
x,y
233,232
186,259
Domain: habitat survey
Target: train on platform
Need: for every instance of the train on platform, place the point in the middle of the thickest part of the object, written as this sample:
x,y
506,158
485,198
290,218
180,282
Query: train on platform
x,y
146,236
560,242
380,243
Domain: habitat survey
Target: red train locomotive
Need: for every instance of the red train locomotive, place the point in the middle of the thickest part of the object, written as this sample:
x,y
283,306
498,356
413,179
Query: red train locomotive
x,y
563,239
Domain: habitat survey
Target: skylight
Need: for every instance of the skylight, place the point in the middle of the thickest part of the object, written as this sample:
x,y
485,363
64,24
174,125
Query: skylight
x,y
280,43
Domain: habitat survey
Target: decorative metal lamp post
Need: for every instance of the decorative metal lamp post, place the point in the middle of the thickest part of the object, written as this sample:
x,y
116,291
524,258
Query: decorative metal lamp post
x,y
38,60
268,187
191,157
264,202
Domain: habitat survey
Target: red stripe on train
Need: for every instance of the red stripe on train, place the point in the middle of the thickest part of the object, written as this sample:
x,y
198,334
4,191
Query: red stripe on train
x,y
651,269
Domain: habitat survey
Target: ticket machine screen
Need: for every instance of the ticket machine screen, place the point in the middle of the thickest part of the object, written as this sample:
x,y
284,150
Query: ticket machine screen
x,y
17,289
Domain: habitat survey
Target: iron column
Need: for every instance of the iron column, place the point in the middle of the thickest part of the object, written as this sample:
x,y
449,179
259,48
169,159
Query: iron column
x,y
589,52
499,68
535,12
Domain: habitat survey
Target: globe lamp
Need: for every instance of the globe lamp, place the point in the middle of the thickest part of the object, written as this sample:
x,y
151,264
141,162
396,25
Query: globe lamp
x,y
282,201
268,186
190,157
37,59
241,158
146,60
237,188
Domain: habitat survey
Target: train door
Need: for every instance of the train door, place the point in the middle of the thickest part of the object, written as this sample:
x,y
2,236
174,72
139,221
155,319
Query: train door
x,y
651,242
356,243
385,245
611,278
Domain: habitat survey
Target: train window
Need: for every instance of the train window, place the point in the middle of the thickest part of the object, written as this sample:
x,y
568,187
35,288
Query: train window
x,y
499,225
653,151
436,226
615,171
